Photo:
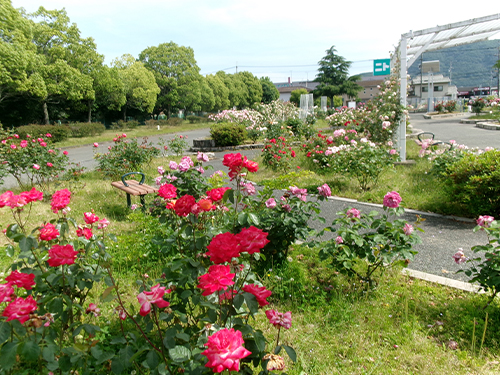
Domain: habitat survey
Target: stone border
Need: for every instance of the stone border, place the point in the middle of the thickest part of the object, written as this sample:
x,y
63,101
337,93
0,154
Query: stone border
x,y
451,283
444,115
488,125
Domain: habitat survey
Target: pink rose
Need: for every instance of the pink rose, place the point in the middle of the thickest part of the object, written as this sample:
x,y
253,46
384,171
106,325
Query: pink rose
x,y
485,221
224,350
96,144
459,257
324,190
279,320
50,165
339,240
36,166
59,255
20,309
217,278
408,229
65,152
270,203
90,217
392,200
154,297
353,213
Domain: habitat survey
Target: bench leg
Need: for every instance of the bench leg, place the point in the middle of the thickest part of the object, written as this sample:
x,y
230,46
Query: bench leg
x,y
143,203
129,201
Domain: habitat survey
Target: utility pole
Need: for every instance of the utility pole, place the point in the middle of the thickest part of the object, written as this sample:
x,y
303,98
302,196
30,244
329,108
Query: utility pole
x,y
421,75
236,67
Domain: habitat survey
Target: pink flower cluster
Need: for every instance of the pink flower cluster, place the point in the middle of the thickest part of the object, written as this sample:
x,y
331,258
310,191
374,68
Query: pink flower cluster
x,y
17,201
392,200
485,221
60,200
18,308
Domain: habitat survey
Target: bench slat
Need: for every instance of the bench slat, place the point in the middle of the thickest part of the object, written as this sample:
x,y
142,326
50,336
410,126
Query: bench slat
x,y
134,188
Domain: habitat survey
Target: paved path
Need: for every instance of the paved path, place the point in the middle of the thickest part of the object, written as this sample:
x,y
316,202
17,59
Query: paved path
x,y
442,237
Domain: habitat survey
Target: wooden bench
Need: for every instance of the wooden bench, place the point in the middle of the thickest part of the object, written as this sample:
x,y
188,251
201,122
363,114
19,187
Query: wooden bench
x,y
134,187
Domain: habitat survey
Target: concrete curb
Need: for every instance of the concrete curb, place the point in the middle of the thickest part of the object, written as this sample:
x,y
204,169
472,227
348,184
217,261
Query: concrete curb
x,y
487,126
451,283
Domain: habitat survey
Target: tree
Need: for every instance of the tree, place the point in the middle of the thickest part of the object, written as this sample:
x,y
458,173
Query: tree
x,y
253,93
139,85
17,55
109,89
65,60
269,91
295,96
176,74
220,91
237,89
333,76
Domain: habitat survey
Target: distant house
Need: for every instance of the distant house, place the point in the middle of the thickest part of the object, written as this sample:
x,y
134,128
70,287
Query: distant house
x,y
442,87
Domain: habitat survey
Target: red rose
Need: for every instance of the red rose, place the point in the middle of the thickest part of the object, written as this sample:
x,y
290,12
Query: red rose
x,y
216,194
252,240
48,232
217,278
60,200
21,280
32,195
205,204
260,293
90,217
20,309
167,191
59,255
223,248
184,205
84,232
252,166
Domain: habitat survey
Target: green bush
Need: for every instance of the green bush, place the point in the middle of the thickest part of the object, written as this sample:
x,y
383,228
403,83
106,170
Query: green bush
x,y
58,132
175,121
86,129
125,156
228,134
155,123
120,124
475,182
195,119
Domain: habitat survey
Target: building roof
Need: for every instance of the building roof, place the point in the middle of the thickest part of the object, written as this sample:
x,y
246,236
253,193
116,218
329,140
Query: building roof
x,y
283,90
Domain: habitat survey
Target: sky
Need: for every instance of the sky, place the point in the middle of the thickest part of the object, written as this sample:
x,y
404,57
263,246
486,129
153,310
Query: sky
x,y
274,38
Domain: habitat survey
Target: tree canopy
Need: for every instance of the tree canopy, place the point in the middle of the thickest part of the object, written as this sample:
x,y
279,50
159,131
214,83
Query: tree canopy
x,y
333,76
269,91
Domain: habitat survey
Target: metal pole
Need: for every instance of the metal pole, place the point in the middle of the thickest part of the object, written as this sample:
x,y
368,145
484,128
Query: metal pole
x,y
402,87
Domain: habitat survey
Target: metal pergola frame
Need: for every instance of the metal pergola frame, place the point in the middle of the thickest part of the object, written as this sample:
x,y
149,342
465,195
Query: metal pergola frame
x,y
414,43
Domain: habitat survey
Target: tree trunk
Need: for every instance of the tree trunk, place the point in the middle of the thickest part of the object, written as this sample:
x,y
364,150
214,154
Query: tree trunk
x,y
89,117
46,113
125,113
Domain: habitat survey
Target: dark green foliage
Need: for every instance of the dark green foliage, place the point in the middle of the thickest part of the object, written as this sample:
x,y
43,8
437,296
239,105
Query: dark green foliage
x,y
475,181
195,119
59,132
120,124
269,91
228,134
86,129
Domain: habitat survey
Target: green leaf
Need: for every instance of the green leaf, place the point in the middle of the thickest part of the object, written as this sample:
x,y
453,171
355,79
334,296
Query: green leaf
x,y
30,351
277,350
118,340
169,339
183,336
8,355
112,237
291,353
252,303
152,360
254,219
260,340
96,351
10,251
48,353
242,218
238,301
179,354
106,356
5,330
106,295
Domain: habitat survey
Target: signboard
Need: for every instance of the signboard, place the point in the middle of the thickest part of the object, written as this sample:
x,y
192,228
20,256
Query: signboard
x,y
381,67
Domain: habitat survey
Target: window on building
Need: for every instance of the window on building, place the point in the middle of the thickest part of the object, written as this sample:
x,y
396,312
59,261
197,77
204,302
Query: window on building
x,y
424,89
438,88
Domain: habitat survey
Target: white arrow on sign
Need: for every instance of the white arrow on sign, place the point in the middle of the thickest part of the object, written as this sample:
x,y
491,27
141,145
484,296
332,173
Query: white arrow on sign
x,y
383,68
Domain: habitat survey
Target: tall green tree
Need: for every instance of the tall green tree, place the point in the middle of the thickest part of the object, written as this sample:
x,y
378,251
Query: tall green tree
x,y
176,74
333,76
139,85
65,59
269,91
237,89
220,91
253,93
17,55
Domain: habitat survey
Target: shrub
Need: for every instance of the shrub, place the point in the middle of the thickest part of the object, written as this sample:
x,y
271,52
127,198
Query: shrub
x,y
155,123
59,132
365,243
439,107
228,134
277,154
120,124
477,105
31,161
195,119
475,182
175,121
178,144
450,105
86,129
125,156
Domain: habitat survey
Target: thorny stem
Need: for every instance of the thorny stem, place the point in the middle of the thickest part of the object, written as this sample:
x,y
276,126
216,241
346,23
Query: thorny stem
x,y
155,319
